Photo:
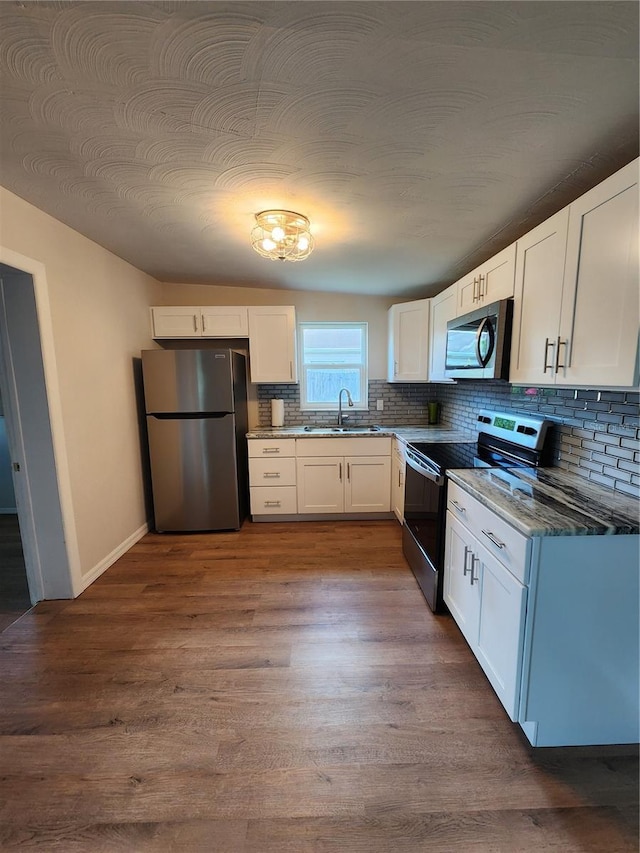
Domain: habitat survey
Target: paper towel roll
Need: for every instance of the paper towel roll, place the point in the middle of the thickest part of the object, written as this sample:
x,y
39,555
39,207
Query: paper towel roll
x,y
277,413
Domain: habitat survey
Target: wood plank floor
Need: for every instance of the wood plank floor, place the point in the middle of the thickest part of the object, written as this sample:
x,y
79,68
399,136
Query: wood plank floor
x,y
283,689
14,590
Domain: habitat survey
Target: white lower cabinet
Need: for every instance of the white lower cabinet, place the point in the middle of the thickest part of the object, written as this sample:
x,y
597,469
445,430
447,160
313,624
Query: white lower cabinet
x,y
398,473
319,476
343,484
488,603
556,632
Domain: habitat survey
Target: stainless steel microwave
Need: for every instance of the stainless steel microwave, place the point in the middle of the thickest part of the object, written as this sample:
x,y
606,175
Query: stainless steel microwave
x,y
479,343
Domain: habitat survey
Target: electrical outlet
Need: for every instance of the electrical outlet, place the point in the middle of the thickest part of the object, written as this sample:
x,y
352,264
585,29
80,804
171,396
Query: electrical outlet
x,y
380,405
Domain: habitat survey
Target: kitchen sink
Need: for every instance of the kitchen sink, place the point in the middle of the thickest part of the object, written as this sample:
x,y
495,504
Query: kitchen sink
x,y
350,428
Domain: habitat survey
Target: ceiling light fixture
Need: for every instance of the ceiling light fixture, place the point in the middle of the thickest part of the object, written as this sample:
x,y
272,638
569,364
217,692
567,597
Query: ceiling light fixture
x,y
282,235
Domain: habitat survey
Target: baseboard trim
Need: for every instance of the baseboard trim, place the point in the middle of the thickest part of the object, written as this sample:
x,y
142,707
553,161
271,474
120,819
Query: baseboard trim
x,y
110,559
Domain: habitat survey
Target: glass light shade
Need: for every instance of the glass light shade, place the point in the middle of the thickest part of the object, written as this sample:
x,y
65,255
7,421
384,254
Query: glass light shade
x,y
282,235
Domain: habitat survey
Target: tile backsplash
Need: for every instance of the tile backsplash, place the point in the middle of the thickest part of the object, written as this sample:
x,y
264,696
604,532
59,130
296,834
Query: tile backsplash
x,y
597,434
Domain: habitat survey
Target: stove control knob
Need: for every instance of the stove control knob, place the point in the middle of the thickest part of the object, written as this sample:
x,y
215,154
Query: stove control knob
x,y
525,430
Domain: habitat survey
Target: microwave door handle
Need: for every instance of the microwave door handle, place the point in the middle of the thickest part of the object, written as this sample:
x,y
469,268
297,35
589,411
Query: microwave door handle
x,y
486,324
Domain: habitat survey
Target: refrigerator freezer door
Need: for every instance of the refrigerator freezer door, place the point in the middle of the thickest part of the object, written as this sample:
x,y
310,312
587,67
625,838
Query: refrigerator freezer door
x,y
193,473
189,381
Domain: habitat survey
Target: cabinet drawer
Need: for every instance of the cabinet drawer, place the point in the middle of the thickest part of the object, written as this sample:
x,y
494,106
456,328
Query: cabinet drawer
x,y
273,500
272,472
498,537
272,447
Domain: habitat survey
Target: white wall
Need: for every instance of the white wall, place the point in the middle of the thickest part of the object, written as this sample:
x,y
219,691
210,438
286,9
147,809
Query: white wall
x,y
310,305
100,322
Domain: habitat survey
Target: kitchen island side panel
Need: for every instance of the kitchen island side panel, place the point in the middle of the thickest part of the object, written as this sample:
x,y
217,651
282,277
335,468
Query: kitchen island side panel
x,y
580,674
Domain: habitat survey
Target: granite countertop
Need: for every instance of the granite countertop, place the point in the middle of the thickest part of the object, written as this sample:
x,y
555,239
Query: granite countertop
x,y
550,501
406,433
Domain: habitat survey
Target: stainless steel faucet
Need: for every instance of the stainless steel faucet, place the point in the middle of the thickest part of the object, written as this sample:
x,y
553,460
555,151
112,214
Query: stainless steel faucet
x,y
349,400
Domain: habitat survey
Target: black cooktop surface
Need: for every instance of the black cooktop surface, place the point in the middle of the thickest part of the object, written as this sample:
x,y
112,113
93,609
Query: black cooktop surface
x,y
443,455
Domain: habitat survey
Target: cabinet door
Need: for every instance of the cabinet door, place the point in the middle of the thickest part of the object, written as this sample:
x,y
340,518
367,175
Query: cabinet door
x,y
176,322
599,320
398,469
409,341
467,293
443,309
500,629
368,484
272,343
320,484
225,321
461,595
496,277
537,301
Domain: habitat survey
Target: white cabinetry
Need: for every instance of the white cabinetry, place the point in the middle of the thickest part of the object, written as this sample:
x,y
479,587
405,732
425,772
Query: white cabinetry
x,y
538,300
398,472
443,308
489,282
218,321
332,481
272,343
600,304
576,300
408,330
563,663
487,601
272,476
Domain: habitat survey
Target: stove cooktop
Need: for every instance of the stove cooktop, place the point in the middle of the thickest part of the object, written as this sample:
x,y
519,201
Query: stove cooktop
x,y
465,455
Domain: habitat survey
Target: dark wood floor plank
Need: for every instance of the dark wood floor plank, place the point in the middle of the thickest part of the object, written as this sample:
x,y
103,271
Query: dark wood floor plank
x,y
280,689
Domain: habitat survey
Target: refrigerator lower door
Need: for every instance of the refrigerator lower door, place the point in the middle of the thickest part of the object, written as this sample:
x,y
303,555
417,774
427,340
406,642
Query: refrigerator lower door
x,y
194,473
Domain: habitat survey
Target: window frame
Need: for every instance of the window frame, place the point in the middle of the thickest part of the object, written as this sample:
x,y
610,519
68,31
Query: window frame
x,y
363,368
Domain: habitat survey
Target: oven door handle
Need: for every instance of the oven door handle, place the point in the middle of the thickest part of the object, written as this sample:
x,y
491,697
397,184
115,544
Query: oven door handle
x,y
487,326
424,472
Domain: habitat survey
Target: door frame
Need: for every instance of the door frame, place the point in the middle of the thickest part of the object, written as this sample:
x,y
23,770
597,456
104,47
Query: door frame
x,y
61,581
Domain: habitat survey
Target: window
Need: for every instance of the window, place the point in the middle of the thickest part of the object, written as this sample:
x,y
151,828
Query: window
x,y
333,356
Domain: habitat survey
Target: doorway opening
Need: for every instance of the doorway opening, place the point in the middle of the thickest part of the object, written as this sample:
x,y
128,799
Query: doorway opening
x,y
33,546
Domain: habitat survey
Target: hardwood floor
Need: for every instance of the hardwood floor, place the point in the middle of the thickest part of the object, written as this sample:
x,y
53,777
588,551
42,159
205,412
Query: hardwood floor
x,y
14,590
283,689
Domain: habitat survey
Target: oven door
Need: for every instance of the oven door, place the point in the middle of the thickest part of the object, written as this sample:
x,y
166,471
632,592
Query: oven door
x,y
423,529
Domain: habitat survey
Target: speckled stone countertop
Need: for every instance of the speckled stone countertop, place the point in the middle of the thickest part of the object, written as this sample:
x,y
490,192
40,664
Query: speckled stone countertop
x,y
550,501
419,432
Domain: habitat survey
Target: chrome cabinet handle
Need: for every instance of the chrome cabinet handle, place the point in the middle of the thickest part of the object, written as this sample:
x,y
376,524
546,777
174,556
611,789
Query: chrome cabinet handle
x,y
475,283
271,474
465,568
473,579
272,503
340,471
565,344
493,539
271,450
195,322
290,370
348,472
547,344
480,287
457,506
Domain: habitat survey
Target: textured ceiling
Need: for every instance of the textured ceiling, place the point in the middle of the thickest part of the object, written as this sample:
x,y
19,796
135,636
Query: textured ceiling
x,y
418,137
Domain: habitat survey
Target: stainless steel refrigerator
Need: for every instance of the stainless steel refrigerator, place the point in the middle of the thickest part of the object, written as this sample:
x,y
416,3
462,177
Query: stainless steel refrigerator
x,y
196,406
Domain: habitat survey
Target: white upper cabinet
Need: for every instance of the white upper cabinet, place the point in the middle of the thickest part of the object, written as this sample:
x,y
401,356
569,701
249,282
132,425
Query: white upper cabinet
x,y
225,321
176,322
489,282
576,300
538,300
272,343
212,321
409,341
600,304
443,308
